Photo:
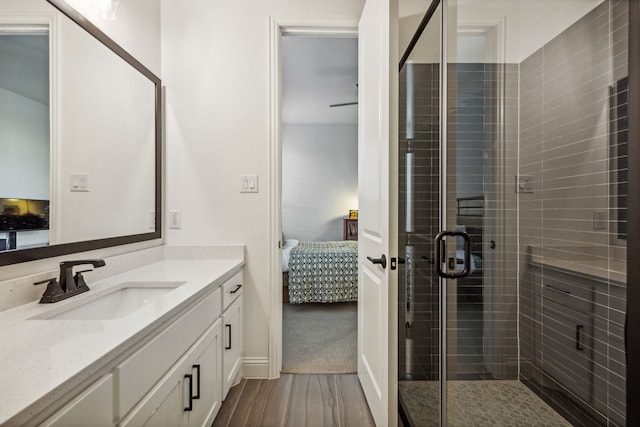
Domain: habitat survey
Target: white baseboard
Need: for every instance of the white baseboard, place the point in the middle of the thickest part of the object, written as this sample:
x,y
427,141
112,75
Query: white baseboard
x,y
255,367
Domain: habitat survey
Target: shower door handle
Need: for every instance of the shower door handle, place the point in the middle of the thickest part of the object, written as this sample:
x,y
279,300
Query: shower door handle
x,y
439,242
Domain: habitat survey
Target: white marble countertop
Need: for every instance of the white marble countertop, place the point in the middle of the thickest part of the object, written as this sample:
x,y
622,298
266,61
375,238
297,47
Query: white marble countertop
x,y
42,359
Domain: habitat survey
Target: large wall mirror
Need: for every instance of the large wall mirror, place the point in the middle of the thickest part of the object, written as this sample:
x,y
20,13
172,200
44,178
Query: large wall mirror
x,y
79,136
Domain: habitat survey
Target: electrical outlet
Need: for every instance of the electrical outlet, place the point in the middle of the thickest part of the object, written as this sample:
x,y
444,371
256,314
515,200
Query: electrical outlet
x,y
600,220
175,219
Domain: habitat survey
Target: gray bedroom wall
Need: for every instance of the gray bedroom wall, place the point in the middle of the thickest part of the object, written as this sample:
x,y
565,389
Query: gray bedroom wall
x,y
319,179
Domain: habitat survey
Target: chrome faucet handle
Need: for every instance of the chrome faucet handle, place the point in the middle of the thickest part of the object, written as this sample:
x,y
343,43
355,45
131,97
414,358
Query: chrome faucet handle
x,y
53,291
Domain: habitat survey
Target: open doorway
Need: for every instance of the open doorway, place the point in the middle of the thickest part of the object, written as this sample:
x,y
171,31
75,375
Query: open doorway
x,y
319,129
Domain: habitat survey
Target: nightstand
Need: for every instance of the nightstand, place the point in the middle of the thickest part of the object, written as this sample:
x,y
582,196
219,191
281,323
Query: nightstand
x,y
350,229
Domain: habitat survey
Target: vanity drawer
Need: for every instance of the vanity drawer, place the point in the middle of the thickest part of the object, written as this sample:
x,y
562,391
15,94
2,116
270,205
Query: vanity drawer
x,y
231,289
138,373
573,291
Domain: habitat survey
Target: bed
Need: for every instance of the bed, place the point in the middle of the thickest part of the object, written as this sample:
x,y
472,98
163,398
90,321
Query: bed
x,y
320,271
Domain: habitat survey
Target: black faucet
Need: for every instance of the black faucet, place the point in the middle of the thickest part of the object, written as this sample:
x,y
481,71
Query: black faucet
x,y
69,284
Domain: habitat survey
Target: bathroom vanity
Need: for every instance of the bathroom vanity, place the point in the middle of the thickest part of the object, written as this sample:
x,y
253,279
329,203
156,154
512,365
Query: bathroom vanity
x,y
579,306
158,342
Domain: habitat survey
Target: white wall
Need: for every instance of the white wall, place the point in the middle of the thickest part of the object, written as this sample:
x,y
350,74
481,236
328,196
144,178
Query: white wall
x,y
113,142
319,179
24,136
136,28
215,63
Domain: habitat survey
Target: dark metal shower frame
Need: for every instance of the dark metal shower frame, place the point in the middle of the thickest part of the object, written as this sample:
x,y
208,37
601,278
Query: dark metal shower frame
x,y
632,327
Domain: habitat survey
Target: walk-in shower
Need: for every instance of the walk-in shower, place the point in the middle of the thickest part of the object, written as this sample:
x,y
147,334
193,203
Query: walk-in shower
x,y
513,137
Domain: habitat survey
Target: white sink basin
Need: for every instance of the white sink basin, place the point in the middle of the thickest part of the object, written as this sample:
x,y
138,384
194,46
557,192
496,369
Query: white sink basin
x,y
114,303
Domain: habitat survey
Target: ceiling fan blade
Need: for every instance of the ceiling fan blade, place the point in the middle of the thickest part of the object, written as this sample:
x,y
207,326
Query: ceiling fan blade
x,y
343,104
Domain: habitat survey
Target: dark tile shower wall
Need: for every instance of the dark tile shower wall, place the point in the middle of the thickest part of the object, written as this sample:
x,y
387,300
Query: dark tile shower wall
x,y
421,335
484,327
572,285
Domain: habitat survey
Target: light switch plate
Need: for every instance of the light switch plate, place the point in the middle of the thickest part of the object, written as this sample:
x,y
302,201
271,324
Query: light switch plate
x,y
524,184
248,183
80,182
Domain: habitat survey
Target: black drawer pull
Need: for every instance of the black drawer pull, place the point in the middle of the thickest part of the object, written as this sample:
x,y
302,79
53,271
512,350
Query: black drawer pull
x,y
557,290
228,347
197,368
190,378
236,289
578,344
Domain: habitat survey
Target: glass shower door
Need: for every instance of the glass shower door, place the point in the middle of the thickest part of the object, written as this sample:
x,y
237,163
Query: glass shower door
x,y
419,213
513,134
481,122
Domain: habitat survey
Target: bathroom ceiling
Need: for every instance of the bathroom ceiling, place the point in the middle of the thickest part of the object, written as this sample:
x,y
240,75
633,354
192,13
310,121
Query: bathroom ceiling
x,y
316,72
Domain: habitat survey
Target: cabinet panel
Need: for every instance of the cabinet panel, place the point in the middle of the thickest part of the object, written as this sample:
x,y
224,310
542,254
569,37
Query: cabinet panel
x,y
233,343
567,346
164,404
205,363
95,403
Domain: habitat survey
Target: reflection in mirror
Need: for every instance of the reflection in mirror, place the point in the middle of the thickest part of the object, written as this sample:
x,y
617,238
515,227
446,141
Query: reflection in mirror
x,y
79,133
24,134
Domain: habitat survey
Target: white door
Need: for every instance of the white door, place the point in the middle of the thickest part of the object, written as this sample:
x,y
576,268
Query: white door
x,y
377,195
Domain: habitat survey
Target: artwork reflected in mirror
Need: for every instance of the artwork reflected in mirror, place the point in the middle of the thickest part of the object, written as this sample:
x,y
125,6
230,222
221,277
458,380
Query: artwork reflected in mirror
x,y
24,223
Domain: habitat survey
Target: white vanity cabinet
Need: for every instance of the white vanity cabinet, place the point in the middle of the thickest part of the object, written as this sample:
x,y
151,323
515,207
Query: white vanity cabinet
x,y
95,403
192,384
159,364
232,324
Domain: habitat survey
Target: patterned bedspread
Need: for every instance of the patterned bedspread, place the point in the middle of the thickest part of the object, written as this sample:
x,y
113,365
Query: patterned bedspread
x,y
323,272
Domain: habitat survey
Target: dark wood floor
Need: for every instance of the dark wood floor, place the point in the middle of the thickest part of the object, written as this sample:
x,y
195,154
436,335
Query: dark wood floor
x,y
296,400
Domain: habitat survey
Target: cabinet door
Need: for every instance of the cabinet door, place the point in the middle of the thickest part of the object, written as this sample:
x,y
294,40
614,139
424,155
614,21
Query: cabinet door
x,y
567,345
93,407
165,404
205,363
233,344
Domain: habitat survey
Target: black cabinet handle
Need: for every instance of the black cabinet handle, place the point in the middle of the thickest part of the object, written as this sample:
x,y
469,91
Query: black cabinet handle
x,y
228,347
197,368
236,289
578,344
190,378
382,260
557,290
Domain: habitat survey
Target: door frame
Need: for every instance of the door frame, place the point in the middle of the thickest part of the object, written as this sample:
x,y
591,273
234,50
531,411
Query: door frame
x,y
277,28
633,232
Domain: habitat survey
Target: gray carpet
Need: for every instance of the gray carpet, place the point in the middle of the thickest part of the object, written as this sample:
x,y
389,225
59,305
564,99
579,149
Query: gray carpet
x,y
319,338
